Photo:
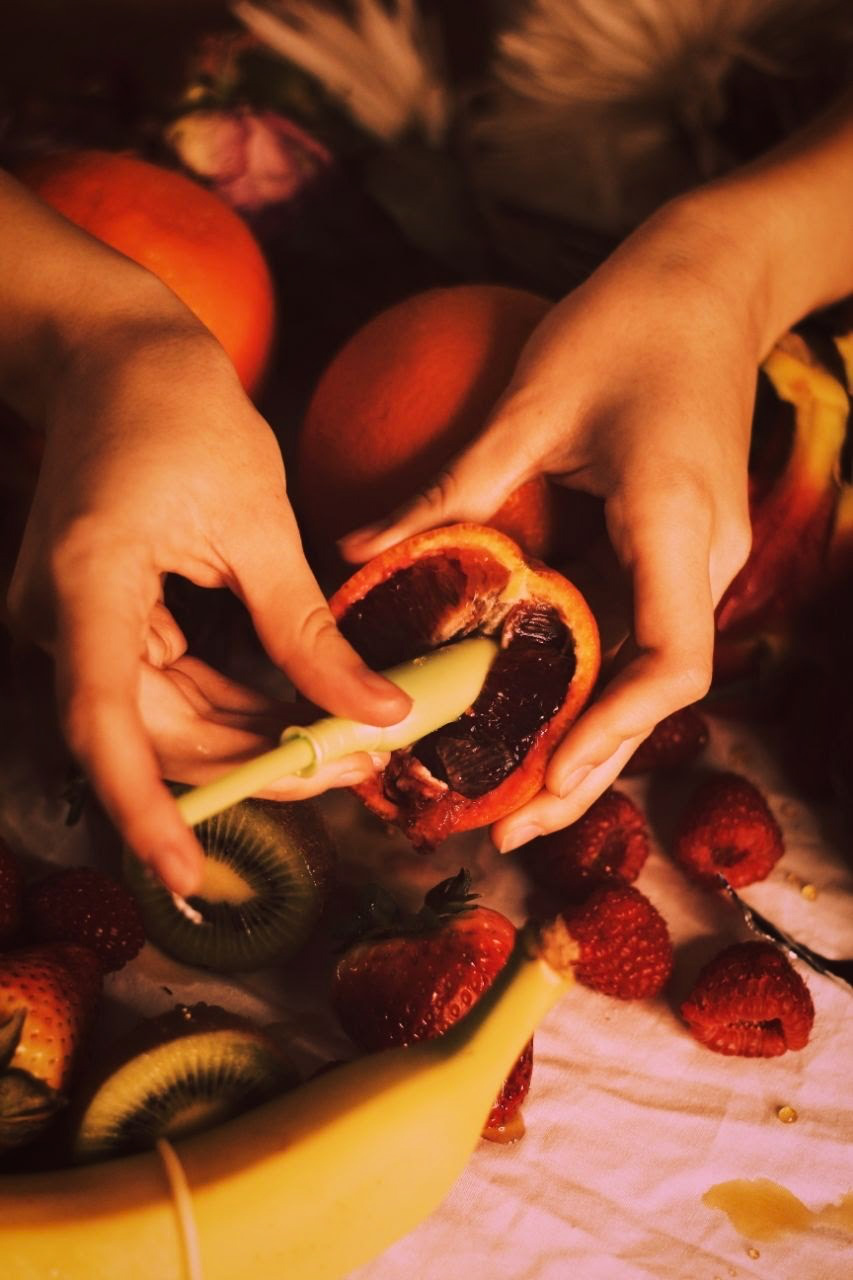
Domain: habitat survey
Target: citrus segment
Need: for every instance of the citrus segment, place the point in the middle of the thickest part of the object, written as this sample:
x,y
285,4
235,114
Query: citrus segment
x,y
438,587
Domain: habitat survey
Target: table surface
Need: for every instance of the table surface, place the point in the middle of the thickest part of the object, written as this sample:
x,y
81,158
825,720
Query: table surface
x,y
629,1122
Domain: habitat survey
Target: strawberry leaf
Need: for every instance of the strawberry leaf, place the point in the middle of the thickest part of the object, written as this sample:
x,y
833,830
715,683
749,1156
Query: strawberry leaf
x,y
10,1034
27,1106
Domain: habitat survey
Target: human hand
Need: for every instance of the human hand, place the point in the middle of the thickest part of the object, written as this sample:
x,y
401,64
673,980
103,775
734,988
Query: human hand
x,y
156,462
638,388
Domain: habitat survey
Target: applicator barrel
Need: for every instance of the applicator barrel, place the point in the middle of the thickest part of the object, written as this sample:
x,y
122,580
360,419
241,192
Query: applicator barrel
x,y
442,685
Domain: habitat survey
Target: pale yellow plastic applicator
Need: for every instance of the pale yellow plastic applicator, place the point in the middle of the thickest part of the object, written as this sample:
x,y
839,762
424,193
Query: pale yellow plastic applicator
x,y
442,685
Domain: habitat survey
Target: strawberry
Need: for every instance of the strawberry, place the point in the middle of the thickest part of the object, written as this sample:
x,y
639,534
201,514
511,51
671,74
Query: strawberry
x,y
610,840
625,948
11,895
47,998
84,905
728,830
677,740
410,977
749,1001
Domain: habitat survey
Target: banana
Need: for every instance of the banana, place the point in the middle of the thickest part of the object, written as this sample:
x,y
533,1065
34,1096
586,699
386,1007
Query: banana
x,y
308,1186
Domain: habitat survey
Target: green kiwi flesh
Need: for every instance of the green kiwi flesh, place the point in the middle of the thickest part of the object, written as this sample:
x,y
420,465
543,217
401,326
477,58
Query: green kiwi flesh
x,y
198,1067
275,857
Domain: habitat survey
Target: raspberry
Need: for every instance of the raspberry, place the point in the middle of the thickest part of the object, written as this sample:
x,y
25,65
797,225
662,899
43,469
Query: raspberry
x,y
86,906
749,1001
677,740
625,948
728,830
610,840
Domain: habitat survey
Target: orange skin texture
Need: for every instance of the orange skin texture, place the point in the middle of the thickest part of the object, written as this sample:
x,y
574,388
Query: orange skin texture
x,y
409,390
535,581
183,233
58,986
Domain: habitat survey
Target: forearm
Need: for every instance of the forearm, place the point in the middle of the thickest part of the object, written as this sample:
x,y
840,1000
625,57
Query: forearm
x,y
780,231
61,294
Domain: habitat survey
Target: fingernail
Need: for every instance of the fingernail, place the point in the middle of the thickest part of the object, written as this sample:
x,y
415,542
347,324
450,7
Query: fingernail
x,y
184,876
518,836
574,779
379,760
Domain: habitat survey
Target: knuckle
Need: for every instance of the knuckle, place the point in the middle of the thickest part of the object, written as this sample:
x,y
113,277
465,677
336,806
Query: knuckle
x,y
690,680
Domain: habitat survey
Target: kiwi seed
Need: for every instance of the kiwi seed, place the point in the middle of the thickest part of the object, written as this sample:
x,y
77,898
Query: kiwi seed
x,y
266,870
176,1074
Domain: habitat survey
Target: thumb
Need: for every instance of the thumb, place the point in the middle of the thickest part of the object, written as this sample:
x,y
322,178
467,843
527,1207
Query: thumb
x,y
296,628
472,486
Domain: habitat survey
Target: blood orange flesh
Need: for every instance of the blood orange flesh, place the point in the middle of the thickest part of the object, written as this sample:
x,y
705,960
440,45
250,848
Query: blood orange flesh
x,y
438,587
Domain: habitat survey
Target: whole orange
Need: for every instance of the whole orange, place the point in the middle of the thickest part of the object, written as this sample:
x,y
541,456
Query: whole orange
x,y
403,395
180,231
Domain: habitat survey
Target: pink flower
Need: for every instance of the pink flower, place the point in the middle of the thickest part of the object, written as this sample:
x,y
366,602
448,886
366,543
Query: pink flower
x,y
251,158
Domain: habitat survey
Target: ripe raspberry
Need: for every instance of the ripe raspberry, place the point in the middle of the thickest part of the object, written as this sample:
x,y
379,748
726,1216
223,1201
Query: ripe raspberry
x,y
751,1002
11,895
625,948
86,906
676,741
610,840
728,830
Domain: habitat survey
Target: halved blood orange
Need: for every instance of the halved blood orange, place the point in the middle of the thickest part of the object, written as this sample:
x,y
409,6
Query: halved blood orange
x,y
437,587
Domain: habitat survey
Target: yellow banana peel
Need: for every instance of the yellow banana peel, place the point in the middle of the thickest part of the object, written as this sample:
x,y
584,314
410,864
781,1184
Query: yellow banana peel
x,y
308,1186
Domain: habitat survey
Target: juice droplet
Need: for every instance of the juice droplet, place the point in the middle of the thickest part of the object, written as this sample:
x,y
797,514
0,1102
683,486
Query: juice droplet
x,y
753,1253
788,1115
809,892
506,1133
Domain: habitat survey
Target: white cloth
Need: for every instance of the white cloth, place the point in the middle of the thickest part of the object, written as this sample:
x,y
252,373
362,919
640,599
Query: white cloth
x,y
629,1121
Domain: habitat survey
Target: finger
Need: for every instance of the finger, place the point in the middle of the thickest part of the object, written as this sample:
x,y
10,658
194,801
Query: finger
x,y
300,635
471,487
165,642
196,743
673,624
547,812
102,620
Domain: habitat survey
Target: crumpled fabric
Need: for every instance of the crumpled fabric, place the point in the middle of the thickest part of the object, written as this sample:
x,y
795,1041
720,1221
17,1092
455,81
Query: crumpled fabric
x,y
629,1121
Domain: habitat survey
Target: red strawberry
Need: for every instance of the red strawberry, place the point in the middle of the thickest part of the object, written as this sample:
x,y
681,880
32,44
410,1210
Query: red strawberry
x,y
84,905
47,998
751,1002
728,830
610,839
410,977
11,895
677,740
625,948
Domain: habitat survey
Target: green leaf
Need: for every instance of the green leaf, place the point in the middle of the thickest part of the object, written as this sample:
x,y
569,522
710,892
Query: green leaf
x,y
27,1106
10,1035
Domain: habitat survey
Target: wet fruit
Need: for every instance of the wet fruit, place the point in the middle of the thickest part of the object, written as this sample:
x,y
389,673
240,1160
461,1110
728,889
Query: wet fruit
x,y
792,509
266,874
178,1073
440,586
610,840
750,1002
728,830
48,996
87,906
625,948
410,977
180,231
405,394
675,741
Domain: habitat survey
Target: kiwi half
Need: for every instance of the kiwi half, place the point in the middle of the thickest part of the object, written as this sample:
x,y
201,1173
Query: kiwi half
x,y
267,867
177,1073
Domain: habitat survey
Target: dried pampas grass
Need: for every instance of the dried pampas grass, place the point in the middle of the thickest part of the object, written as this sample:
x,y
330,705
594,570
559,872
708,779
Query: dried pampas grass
x,y
374,61
602,109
